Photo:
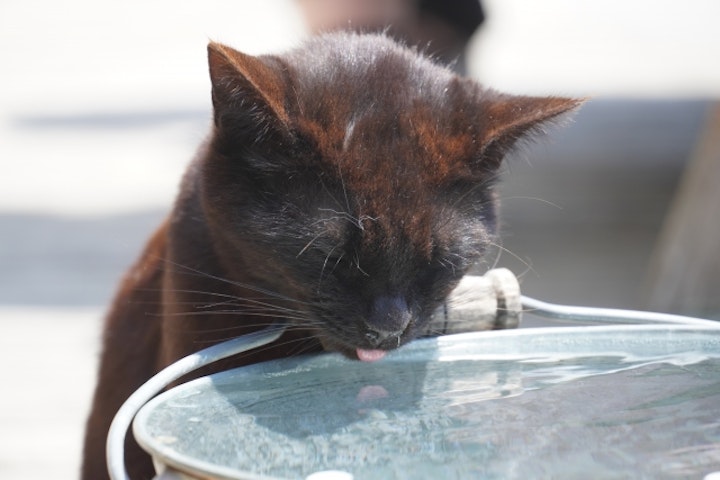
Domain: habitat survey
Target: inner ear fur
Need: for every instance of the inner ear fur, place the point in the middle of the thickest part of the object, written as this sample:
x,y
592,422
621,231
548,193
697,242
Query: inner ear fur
x,y
512,118
245,85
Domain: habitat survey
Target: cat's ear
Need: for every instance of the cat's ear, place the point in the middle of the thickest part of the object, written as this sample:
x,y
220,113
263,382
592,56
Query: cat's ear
x,y
247,92
512,118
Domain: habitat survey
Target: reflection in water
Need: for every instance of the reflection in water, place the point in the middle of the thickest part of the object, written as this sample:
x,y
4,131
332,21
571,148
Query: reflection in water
x,y
370,393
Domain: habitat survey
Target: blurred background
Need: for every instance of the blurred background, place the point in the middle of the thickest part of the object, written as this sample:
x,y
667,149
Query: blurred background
x,y
102,104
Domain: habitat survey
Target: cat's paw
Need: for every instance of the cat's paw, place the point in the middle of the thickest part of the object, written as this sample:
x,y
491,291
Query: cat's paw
x,y
488,302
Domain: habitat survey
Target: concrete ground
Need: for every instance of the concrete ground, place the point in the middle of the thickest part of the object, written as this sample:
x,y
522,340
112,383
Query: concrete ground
x,y
91,160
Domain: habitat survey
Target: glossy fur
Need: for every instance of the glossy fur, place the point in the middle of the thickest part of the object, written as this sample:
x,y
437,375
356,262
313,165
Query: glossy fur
x,y
346,187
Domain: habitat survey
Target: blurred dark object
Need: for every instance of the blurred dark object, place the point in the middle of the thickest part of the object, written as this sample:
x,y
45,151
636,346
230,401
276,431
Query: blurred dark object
x,y
685,267
440,28
465,16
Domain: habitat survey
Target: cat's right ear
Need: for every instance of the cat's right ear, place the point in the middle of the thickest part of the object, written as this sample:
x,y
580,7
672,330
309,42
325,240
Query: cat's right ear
x,y
247,92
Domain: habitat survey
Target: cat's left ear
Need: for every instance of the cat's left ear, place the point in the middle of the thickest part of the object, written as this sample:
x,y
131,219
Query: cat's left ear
x,y
512,118
247,92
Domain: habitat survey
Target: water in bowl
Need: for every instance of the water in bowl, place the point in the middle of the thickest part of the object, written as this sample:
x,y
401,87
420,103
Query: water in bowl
x,y
449,413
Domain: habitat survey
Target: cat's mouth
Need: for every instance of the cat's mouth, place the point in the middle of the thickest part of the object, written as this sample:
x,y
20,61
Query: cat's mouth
x,y
389,323
362,353
369,355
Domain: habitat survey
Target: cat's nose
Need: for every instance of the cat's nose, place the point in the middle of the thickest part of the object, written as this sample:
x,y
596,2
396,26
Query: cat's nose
x,y
388,318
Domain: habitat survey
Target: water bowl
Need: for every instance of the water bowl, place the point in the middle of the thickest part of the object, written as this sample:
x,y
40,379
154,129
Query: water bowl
x,y
621,401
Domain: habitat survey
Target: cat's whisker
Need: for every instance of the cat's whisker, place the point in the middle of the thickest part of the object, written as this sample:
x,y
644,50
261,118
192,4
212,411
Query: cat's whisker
x,y
337,262
355,221
251,301
496,261
242,306
235,328
244,328
330,194
534,199
301,345
256,311
478,186
244,285
344,190
363,218
502,250
313,240
357,265
285,342
236,312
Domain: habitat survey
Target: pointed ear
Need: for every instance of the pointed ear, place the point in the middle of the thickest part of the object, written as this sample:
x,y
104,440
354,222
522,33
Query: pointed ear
x,y
247,92
511,118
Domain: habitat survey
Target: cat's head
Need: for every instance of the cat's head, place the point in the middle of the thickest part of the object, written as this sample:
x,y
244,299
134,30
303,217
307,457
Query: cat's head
x,y
358,177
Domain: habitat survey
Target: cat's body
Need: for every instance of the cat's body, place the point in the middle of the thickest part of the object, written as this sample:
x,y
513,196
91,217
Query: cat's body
x,y
346,188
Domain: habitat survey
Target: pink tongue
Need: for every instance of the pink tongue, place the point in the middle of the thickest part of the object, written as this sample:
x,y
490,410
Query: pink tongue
x,y
369,355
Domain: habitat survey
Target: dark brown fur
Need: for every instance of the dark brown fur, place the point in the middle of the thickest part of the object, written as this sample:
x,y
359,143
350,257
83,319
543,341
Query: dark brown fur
x,y
346,187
